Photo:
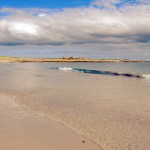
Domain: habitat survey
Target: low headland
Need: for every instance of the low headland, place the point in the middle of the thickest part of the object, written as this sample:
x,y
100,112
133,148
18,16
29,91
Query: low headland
x,y
64,59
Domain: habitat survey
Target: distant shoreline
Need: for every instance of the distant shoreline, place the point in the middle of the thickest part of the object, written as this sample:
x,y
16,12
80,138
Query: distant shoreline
x,y
4,59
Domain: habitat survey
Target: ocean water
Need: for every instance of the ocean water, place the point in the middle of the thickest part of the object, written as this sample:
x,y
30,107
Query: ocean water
x,y
110,109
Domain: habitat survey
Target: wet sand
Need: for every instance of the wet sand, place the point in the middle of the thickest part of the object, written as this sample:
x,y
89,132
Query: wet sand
x,y
113,112
23,130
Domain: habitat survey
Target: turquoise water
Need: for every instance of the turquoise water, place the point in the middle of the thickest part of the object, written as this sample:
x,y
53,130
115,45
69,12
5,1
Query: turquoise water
x,y
112,111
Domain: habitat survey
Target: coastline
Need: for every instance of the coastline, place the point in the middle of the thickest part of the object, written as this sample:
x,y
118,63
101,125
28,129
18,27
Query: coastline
x,y
79,102
26,130
5,59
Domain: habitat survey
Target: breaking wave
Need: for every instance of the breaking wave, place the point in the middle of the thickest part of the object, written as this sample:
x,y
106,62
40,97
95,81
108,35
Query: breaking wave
x,y
68,69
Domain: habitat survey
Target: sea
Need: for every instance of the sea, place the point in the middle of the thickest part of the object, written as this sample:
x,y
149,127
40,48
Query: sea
x,y
108,103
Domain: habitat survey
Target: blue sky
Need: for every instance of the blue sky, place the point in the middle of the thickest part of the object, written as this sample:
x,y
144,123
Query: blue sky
x,y
44,3
54,4
86,28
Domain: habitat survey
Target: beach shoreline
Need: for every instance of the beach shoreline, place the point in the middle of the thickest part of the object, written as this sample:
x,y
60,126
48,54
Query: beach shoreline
x,y
46,109
26,130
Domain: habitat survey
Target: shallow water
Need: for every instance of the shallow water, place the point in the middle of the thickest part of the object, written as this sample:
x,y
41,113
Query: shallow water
x,y
114,112
130,67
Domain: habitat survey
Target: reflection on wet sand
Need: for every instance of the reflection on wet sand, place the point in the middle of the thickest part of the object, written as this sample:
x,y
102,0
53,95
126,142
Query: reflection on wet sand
x,y
113,112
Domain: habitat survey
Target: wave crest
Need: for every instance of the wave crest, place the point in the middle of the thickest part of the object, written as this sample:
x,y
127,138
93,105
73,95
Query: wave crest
x,y
147,76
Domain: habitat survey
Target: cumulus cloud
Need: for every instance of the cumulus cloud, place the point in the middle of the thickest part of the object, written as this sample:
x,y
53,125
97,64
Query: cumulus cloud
x,y
106,3
145,2
77,26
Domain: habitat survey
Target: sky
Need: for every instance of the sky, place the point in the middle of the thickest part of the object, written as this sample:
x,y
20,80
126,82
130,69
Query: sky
x,y
80,28
52,4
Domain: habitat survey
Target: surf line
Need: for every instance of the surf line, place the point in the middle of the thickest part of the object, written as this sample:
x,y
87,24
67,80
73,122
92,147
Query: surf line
x,y
68,69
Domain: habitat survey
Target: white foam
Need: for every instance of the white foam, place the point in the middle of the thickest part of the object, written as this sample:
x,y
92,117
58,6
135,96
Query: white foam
x,y
65,69
146,76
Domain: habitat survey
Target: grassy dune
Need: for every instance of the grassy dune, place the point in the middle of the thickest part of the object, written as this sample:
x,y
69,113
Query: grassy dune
x,y
70,59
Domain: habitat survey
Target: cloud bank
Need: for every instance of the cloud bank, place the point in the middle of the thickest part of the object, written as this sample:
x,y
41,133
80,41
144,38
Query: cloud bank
x,y
104,24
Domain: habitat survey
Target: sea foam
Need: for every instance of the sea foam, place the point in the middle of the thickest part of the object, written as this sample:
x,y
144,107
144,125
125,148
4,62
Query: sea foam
x,y
65,69
89,71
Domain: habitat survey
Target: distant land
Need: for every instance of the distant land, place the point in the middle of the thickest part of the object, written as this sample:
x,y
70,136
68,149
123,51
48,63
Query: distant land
x,y
4,59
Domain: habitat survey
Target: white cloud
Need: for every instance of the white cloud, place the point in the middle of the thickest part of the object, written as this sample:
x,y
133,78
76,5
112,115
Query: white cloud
x,y
145,2
77,26
105,3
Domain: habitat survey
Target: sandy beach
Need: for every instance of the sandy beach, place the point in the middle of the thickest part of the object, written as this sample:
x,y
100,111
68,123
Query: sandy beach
x,y
42,108
75,75
21,129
